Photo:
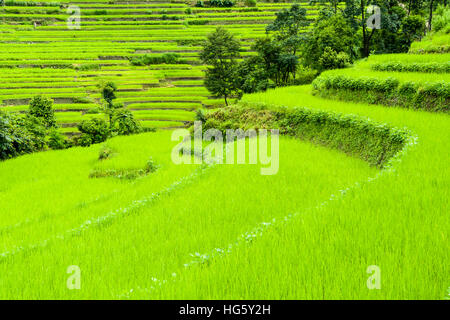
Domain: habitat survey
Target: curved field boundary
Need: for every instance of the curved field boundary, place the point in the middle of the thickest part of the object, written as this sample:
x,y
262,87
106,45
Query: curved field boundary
x,y
373,142
398,221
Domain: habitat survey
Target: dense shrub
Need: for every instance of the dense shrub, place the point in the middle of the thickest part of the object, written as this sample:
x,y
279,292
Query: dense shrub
x,y
250,3
431,67
330,45
221,3
41,107
125,124
100,12
304,75
20,135
145,60
430,96
31,3
93,131
441,18
56,140
373,142
200,4
330,59
364,83
199,22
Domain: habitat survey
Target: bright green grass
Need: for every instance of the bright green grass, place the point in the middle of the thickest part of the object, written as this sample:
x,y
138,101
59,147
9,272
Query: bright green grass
x,y
432,43
155,239
363,70
398,222
51,59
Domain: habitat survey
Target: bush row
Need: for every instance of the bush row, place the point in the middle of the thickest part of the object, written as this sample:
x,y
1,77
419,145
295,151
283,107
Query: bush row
x,y
373,142
31,3
430,67
445,48
145,60
434,96
215,3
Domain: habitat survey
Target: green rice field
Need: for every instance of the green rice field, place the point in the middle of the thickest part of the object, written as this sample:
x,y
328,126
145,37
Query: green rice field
x,y
362,180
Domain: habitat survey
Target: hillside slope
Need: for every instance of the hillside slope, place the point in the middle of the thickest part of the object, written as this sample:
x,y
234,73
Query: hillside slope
x,y
41,55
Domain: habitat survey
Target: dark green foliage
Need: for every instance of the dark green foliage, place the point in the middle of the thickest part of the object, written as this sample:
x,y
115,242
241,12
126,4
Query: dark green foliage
x,y
412,30
428,96
431,67
332,60
221,3
222,82
100,12
277,60
93,131
330,45
145,60
198,22
30,3
108,91
56,140
220,51
304,75
42,107
400,25
200,115
253,76
20,135
287,27
220,46
124,123
375,143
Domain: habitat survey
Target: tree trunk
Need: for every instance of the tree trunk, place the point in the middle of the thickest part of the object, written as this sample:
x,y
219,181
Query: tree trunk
x,y
226,102
431,15
366,48
409,7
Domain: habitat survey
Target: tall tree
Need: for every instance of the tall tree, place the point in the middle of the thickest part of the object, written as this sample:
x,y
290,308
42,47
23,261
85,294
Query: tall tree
x,y
333,33
221,51
109,95
42,107
331,3
288,26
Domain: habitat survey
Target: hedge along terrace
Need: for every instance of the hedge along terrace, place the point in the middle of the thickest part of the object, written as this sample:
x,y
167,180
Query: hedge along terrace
x,y
373,142
438,63
40,55
433,67
412,90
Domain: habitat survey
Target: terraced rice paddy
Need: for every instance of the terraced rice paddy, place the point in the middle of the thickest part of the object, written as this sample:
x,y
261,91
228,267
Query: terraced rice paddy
x,y
362,180
40,55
